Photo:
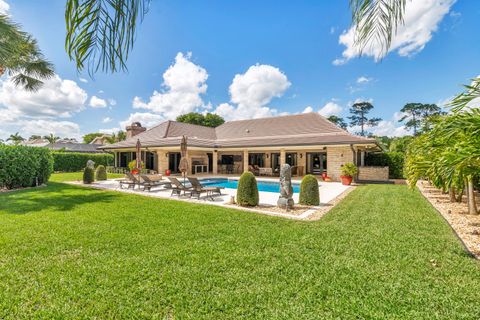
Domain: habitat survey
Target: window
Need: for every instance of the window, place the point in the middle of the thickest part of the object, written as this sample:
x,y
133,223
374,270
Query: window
x,y
256,159
291,159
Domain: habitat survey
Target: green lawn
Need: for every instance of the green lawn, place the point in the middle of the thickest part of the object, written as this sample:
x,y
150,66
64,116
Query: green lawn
x,y
382,253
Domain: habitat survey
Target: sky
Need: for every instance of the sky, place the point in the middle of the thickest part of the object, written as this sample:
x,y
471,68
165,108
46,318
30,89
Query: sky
x,y
245,59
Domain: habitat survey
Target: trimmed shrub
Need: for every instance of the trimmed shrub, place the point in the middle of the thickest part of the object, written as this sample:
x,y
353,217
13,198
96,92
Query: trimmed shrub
x,y
88,175
101,173
75,161
394,160
309,194
247,191
22,166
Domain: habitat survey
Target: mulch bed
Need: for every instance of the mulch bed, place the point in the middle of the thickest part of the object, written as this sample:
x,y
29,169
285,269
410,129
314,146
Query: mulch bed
x,y
466,226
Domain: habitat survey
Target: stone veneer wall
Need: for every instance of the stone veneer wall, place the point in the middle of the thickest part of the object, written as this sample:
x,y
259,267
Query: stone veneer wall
x,y
336,157
373,173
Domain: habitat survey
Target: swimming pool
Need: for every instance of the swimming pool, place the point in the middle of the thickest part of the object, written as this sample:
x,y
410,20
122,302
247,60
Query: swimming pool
x,y
266,186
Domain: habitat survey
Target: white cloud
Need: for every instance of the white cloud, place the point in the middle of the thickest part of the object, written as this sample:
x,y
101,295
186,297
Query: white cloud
x,y
4,7
56,98
332,30
106,120
96,102
253,90
83,80
225,110
389,128
363,80
421,20
146,119
307,109
184,82
44,127
112,102
329,109
110,130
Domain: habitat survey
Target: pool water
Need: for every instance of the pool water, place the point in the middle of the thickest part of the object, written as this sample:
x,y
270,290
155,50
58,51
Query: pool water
x,y
266,186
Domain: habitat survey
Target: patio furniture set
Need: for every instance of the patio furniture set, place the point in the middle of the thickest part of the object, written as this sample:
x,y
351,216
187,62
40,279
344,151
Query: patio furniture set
x,y
147,182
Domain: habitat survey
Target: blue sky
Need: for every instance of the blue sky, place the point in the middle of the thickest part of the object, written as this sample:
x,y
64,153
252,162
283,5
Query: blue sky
x,y
251,58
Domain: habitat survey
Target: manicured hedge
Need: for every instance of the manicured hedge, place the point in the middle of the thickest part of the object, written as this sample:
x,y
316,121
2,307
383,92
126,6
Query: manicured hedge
x,y
247,190
309,193
22,166
74,161
101,173
394,161
88,175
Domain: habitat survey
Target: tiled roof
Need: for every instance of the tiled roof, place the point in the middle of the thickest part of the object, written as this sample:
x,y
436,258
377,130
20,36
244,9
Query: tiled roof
x,y
74,147
301,129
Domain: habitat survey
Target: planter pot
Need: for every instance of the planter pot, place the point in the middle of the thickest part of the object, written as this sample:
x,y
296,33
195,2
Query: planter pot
x,y
324,175
346,180
168,172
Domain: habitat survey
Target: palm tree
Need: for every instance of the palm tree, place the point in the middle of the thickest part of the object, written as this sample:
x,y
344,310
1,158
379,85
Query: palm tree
x,y
51,138
21,58
16,139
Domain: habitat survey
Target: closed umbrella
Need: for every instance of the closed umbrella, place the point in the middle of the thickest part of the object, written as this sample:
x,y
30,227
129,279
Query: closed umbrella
x,y
183,166
138,146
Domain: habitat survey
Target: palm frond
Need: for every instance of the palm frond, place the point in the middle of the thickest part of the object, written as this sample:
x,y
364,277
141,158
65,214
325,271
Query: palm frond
x,y
376,22
463,100
101,33
21,57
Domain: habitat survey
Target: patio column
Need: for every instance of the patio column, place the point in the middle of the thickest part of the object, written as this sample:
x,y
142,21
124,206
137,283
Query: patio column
x,y
162,161
245,160
215,162
283,157
362,158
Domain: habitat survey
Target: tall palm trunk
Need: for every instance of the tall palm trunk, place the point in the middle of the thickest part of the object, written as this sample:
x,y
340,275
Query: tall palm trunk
x,y
451,192
472,206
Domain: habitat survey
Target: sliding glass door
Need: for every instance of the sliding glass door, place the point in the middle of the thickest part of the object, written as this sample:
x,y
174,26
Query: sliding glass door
x,y
316,162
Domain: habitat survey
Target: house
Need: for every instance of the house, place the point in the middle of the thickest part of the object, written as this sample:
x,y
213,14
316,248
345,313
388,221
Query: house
x,y
75,147
308,142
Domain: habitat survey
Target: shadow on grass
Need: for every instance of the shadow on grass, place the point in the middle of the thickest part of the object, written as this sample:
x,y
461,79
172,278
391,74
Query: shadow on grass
x,y
55,197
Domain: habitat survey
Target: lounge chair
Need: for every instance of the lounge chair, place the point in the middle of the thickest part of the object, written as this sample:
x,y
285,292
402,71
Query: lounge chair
x,y
178,187
130,180
253,170
149,182
198,189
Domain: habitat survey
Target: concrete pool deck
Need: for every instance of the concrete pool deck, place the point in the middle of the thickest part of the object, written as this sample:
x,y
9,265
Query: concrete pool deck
x,y
329,192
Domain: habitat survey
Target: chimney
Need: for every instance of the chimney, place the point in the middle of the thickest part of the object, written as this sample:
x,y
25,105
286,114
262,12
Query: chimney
x,y
134,129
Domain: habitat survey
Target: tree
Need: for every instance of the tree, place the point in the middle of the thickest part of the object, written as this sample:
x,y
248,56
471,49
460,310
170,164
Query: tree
x,y
359,112
338,121
16,139
21,58
400,144
34,137
51,138
90,136
419,116
208,120
448,155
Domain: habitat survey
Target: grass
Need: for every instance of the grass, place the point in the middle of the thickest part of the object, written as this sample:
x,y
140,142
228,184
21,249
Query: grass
x,y
382,253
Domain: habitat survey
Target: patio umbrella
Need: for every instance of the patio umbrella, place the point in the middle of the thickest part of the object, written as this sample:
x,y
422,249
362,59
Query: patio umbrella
x,y
139,155
183,166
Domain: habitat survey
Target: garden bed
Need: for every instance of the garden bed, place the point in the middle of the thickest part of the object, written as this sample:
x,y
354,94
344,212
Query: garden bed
x,y
466,226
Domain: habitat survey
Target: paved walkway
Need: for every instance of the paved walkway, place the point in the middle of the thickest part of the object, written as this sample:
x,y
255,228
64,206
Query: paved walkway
x,y
329,191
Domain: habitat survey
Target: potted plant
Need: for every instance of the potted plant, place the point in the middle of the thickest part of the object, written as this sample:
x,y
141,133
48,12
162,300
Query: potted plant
x,y
349,170
132,165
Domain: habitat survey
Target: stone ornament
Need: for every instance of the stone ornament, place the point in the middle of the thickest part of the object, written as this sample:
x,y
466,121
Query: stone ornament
x,y
286,190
